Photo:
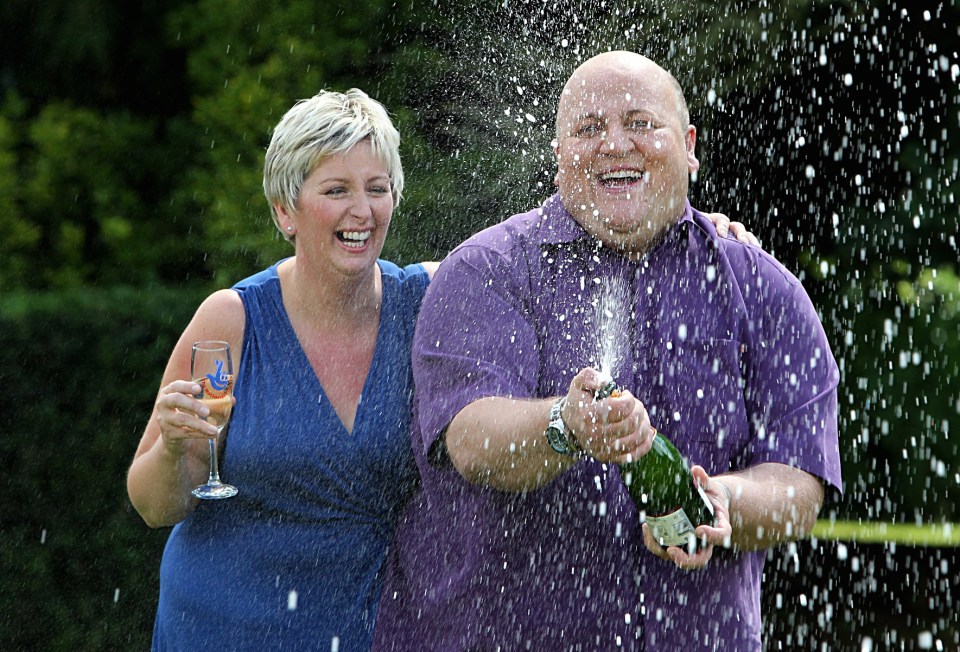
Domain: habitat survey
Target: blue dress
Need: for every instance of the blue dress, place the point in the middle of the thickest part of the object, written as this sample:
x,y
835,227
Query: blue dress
x,y
295,560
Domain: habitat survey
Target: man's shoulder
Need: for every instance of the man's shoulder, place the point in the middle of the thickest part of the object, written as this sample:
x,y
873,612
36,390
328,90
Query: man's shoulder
x,y
745,261
516,232
507,253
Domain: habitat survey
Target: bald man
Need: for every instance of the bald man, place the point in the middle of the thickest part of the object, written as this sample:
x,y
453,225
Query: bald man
x,y
522,535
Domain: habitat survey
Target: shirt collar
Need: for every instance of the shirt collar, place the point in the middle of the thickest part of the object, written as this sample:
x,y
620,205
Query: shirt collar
x,y
557,226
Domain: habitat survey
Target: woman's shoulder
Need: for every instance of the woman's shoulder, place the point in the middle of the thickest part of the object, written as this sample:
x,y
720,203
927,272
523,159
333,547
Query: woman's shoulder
x,y
409,283
262,277
219,317
417,274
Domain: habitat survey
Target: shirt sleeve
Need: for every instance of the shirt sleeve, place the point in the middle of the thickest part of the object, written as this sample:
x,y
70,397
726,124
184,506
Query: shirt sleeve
x,y
792,378
474,337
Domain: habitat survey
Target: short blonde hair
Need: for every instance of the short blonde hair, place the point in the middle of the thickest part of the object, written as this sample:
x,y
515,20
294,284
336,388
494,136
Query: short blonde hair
x,y
326,124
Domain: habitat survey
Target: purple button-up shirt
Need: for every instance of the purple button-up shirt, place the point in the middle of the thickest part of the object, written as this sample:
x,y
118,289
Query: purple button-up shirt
x,y
724,348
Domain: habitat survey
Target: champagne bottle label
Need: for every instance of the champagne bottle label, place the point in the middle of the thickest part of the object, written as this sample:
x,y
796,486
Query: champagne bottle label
x,y
674,529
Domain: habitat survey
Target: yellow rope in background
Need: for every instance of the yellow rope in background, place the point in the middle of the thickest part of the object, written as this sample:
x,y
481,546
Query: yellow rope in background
x,y
944,534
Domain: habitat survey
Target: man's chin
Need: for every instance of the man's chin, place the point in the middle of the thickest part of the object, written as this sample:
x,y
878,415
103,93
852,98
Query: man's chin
x,y
622,226
626,216
629,236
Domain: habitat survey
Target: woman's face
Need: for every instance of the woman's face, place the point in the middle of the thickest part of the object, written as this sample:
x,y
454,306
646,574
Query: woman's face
x,y
343,211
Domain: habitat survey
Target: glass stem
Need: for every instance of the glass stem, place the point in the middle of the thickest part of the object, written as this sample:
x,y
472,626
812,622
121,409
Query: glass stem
x,y
214,469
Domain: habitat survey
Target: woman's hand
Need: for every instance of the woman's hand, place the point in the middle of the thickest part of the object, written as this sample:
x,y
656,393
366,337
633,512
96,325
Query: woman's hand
x,y
181,416
727,228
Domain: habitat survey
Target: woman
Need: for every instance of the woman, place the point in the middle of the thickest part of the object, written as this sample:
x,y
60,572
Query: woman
x,y
318,441
294,559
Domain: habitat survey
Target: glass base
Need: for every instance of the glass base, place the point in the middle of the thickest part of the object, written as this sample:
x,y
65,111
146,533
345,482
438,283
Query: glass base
x,y
215,491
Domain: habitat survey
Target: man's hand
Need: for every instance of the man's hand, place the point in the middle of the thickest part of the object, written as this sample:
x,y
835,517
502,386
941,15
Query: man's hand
x,y
718,534
613,430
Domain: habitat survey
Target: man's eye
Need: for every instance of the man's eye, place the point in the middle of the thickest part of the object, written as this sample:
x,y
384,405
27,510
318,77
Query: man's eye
x,y
587,131
641,125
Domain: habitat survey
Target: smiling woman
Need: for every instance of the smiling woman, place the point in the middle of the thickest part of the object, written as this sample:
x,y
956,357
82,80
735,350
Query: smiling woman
x,y
344,207
294,560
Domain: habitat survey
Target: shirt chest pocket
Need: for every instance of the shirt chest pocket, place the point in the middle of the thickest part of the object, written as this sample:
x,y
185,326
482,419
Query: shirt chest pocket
x,y
700,404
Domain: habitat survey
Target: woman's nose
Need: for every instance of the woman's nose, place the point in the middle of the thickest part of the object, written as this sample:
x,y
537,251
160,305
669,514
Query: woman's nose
x,y
362,206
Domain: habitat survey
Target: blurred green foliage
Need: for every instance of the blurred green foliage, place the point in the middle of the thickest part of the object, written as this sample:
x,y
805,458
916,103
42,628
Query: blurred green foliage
x,y
131,145
80,370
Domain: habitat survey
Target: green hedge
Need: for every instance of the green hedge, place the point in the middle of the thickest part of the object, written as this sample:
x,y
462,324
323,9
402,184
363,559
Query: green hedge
x,y
78,568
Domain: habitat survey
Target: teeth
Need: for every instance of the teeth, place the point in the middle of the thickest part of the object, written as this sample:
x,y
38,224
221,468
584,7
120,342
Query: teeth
x,y
621,175
354,238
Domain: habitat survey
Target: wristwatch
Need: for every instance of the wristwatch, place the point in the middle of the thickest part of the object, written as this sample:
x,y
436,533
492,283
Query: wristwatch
x,y
557,433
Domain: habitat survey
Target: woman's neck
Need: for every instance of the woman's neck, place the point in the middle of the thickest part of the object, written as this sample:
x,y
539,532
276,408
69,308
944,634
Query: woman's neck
x,y
331,301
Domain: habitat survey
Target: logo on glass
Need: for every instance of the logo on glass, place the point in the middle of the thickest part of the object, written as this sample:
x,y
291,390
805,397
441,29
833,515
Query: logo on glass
x,y
217,384
219,380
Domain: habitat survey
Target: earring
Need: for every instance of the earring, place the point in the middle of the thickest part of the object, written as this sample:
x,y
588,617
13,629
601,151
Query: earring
x,y
290,228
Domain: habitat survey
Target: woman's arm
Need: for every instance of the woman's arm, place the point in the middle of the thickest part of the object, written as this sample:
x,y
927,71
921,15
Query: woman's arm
x,y
431,267
174,455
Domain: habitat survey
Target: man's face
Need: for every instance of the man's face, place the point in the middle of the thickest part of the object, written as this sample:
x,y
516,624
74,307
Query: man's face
x,y
623,154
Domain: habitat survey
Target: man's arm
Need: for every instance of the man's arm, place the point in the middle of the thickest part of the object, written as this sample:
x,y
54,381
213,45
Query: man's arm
x,y
791,394
500,442
759,507
771,504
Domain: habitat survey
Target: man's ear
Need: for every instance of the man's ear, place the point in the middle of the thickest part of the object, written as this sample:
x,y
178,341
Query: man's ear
x,y
555,143
690,139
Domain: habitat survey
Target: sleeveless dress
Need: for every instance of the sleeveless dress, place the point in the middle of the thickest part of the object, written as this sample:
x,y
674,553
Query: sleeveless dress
x,y
295,560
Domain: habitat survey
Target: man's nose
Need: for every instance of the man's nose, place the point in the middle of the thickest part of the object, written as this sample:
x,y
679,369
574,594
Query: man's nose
x,y
616,139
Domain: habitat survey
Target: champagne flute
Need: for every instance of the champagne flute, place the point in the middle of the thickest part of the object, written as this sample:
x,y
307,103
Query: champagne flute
x,y
212,369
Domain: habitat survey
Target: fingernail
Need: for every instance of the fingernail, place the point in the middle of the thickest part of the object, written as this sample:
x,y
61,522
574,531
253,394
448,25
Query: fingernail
x,y
204,411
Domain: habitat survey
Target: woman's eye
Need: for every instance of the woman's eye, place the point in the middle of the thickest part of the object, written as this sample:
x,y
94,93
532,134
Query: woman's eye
x,y
336,192
380,190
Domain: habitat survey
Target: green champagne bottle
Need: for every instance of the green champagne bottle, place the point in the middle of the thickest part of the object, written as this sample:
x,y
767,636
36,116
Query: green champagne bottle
x,y
663,489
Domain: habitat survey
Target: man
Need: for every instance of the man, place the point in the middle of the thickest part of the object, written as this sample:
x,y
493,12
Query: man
x,y
514,542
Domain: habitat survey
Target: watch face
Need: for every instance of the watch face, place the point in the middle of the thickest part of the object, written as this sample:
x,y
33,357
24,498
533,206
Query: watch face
x,y
556,439
557,431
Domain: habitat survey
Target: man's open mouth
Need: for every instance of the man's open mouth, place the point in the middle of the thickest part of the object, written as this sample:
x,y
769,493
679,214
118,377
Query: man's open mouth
x,y
621,178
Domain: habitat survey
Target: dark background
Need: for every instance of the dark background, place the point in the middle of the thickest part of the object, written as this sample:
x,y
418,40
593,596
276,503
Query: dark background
x,y
131,146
